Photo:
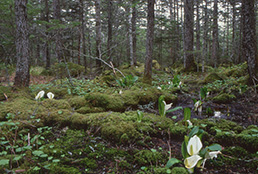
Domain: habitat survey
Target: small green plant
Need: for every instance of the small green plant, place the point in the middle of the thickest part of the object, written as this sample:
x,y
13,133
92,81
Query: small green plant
x,y
139,116
164,107
127,81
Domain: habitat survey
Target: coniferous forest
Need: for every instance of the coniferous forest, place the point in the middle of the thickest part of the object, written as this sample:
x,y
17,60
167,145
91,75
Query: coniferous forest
x,y
128,86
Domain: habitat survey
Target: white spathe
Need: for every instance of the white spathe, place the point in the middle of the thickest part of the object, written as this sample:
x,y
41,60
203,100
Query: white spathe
x,y
167,106
191,161
189,123
40,95
194,145
50,95
214,154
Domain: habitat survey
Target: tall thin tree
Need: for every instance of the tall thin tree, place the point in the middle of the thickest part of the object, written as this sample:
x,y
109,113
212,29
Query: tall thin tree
x,y
189,64
149,42
57,17
22,76
98,33
249,39
215,34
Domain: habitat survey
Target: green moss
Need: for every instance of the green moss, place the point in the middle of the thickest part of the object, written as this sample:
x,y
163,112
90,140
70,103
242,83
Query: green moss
x,y
224,98
148,157
77,102
58,104
155,64
63,169
211,77
4,90
179,170
248,138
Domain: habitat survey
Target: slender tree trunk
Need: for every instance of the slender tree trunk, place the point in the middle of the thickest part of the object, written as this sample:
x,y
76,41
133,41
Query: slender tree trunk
x,y
134,16
149,43
189,35
110,32
130,34
83,34
198,42
47,52
22,76
57,17
79,47
233,32
249,39
98,33
205,35
215,35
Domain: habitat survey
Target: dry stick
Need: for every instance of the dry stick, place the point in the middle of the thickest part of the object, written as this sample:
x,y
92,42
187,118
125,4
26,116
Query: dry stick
x,y
169,147
104,52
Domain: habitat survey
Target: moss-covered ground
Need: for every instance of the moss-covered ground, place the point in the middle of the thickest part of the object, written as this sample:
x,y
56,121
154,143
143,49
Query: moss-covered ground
x,y
92,126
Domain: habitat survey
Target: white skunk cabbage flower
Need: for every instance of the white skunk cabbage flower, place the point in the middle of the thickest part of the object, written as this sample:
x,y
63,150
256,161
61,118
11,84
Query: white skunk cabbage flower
x,y
189,123
180,84
198,105
159,87
191,161
40,95
214,154
50,95
193,147
217,114
167,106
120,92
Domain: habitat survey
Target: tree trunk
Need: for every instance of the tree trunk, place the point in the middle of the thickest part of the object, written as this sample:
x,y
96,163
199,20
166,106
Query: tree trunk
x,y
130,34
215,41
198,42
134,13
149,43
249,39
205,35
110,32
189,35
57,17
47,52
22,76
83,34
98,33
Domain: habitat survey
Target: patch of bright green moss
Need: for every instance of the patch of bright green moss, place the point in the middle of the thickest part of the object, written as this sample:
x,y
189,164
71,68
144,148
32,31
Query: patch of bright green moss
x,y
148,157
224,98
179,170
4,90
211,77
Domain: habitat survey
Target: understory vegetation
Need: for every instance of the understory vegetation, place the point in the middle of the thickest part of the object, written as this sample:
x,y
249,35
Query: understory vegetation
x,y
116,124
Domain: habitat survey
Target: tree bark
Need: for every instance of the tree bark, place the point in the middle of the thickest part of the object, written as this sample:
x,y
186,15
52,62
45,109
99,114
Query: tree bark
x,y
215,41
47,52
149,43
110,32
22,76
249,39
83,40
134,34
57,17
198,42
98,33
189,35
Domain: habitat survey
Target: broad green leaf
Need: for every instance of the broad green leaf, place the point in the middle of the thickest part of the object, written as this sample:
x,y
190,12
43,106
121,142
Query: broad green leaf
x,y
4,162
174,109
187,114
17,158
171,162
55,160
215,147
60,112
194,131
37,153
184,150
161,105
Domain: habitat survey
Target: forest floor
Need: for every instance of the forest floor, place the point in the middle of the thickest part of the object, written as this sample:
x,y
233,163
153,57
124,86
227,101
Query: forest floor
x,y
92,126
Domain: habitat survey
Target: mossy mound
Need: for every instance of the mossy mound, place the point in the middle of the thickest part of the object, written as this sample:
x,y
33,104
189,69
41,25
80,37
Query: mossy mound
x,y
60,70
179,170
146,157
156,65
128,98
249,138
224,98
237,70
4,90
211,77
